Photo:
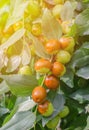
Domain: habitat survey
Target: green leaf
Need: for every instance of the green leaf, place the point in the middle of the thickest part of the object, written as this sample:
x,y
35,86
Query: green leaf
x,y
3,87
20,85
3,111
83,72
13,39
50,26
81,95
81,57
20,121
58,104
87,126
82,21
26,105
13,63
68,78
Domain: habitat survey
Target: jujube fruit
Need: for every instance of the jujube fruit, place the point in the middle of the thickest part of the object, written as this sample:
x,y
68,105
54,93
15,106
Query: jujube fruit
x,y
67,43
63,57
52,46
43,66
51,82
64,112
25,70
46,108
58,69
39,94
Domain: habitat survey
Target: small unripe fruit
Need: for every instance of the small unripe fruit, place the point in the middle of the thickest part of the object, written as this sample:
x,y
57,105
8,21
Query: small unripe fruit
x,y
39,94
64,112
63,57
58,69
36,29
52,124
51,82
46,108
52,46
57,10
43,66
25,70
67,43
66,26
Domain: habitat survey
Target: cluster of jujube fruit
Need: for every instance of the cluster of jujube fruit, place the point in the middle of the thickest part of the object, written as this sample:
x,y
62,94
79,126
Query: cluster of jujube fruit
x,y
53,69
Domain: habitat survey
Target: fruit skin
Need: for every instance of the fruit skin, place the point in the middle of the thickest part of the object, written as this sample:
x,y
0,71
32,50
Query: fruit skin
x,y
43,66
51,82
64,112
67,43
25,70
58,69
63,57
46,108
52,46
52,124
39,94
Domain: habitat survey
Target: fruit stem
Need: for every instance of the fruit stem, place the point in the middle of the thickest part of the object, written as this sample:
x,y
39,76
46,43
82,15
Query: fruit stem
x,y
43,80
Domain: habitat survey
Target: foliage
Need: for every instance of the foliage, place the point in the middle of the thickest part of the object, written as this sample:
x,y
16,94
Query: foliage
x,y
20,47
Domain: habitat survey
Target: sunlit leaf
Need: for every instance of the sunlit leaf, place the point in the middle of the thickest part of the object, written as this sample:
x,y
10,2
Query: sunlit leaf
x,y
87,126
67,11
13,63
20,85
20,121
25,55
82,22
50,26
3,87
13,39
83,72
3,59
26,105
16,6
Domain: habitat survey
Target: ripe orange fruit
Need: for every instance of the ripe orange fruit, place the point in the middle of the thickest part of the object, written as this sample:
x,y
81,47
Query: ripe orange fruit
x,y
52,46
39,94
43,66
58,69
51,82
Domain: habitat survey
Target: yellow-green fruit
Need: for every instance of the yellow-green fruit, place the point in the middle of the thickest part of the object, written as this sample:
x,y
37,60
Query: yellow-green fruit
x,y
36,29
46,108
57,10
64,112
52,124
66,26
59,1
50,110
34,9
25,70
67,43
63,57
